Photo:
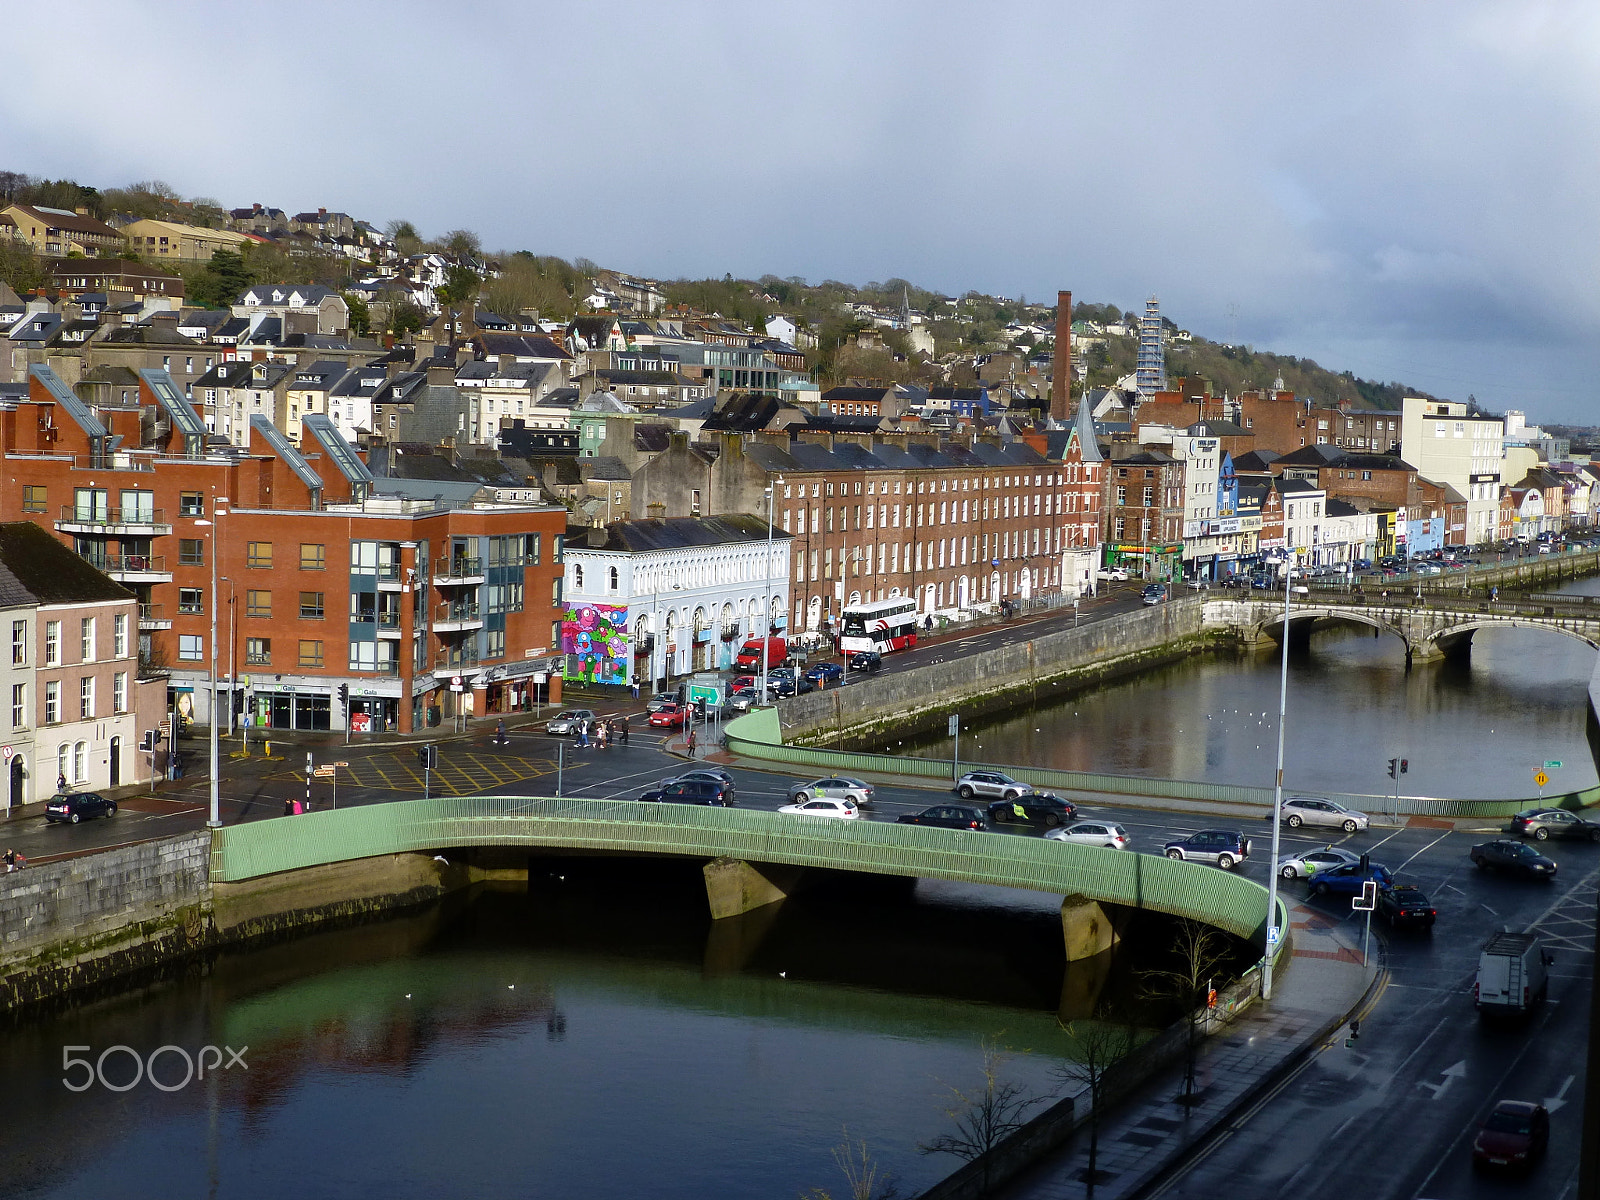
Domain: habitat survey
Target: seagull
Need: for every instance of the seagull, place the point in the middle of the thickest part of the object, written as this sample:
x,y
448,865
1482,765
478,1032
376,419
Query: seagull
x,y
408,995
783,974
441,858
511,987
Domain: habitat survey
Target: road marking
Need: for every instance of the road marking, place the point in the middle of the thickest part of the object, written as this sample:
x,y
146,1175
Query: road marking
x,y
1559,1100
1451,1074
1425,849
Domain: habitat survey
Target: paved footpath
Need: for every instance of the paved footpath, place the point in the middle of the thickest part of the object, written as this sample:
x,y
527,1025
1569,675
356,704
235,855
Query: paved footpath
x,y
1324,986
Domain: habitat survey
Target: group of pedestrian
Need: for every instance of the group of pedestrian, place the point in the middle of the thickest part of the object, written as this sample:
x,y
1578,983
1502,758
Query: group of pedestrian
x,y
294,808
13,860
603,732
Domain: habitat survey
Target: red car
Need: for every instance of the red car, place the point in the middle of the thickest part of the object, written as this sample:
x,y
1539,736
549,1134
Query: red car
x,y
1514,1136
669,717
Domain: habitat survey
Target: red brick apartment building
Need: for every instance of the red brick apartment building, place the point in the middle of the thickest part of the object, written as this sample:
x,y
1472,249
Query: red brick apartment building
x,y
337,604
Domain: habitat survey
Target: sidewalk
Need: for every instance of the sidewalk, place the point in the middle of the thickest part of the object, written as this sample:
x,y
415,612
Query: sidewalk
x,y
1322,988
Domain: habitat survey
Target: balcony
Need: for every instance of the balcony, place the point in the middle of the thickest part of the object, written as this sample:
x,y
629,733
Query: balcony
x,y
447,661
151,617
135,522
388,625
133,568
456,569
456,618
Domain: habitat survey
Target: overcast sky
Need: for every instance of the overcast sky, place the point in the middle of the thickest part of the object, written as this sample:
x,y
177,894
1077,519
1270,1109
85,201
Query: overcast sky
x,y
1405,190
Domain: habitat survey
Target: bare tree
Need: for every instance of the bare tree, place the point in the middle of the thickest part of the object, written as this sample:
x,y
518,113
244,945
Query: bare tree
x,y
1101,1046
986,1116
1200,955
863,1177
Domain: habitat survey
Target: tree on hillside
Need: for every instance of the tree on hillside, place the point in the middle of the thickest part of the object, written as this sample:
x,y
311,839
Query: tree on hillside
x,y
20,268
218,283
530,281
360,313
405,317
460,285
463,243
405,236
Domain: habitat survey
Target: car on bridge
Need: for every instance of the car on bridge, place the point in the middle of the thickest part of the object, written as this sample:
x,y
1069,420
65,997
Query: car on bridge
x,y
833,787
1319,810
1541,824
1349,879
710,793
701,775
1405,907
841,809
946,816
1033,808
570,721
1093,833
1225,848
990,783
1516,857
1304,866
73,807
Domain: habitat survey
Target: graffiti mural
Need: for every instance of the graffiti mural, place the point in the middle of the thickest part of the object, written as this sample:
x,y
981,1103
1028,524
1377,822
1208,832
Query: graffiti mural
x,y
594,638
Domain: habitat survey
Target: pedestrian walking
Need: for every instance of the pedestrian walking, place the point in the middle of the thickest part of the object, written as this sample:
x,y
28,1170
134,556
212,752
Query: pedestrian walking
x,y
603,735
689,743
13,860
500,732
624,731
583,733
636,689
288,808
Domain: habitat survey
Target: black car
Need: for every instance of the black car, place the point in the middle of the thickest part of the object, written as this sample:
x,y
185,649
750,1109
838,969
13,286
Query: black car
x,y
866,660
947,816
1504,855
788,685
73,807
1033,808
1405,907
710,793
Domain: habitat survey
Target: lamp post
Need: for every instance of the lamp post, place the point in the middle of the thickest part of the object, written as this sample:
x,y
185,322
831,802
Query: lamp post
x,y
215,819
233,655
1277,790
766,617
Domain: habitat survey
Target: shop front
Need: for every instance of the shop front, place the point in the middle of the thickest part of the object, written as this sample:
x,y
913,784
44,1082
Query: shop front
x,y
293,708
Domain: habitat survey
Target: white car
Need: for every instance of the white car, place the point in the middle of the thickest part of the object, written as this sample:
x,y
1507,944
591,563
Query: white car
x,y
834,787
570,721
1093,833
1116,574
1318,810
843,809
1307,865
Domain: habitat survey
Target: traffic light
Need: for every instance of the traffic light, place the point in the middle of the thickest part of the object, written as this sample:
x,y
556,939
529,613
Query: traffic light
x,y
1404,764
149,742
428,757
700,708
344,697
1393,764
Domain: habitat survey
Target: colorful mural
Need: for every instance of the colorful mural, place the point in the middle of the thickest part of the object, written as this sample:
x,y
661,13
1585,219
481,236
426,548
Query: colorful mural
x,y
594,638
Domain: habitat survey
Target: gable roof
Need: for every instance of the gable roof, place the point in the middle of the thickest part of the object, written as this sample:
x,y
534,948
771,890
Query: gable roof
x,y
48,571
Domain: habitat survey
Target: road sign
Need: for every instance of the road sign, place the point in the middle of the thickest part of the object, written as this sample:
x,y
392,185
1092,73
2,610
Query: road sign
x,y
1541,778
8,753
955,724
710,693
339,764
323,772
1553,765
455,683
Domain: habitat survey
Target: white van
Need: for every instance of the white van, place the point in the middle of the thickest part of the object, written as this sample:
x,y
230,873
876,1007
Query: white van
x,y
1511,974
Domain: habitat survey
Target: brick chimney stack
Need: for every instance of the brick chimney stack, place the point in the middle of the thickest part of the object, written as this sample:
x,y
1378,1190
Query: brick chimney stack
x,y
1061,369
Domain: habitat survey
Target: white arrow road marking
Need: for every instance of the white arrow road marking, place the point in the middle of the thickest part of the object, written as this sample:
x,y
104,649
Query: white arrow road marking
x,y
1559,1099
1459,1071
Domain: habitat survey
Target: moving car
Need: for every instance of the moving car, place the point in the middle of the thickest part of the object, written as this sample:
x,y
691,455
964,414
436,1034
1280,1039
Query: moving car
x,y
1318,810
946,816
989,783
825,673
669,716
660,700
1312,861
1093,833
1405,907
1516,1135
712,793
1153,593
570,721
843,809
1115,574
1518,857
1541,824
1033,808
833,787
744,699
73,807
1513,974
699,774
866,660
1226,848
1348,880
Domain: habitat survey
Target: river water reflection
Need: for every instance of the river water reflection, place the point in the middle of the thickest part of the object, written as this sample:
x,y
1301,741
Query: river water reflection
x,y
1471,729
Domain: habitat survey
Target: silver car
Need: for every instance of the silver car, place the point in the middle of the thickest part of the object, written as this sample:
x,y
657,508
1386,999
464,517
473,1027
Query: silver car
x,y
1317,810
1308,864
833,787
990,783
570,721
1093,833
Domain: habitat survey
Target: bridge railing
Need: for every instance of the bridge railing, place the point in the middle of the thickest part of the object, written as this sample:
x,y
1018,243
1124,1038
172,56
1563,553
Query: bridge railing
x,y
269,847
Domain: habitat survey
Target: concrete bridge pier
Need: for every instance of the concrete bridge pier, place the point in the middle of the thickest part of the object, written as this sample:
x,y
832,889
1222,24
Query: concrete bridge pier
x,y
732,942
1087,928
735,887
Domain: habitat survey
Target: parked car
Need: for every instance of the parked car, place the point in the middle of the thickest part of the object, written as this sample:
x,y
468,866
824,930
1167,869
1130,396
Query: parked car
x,y
1153,593
1405,907
835,787
842,809
1318,810
790,685
1516,1135
1541,824
570,721
1348,879
1308,864
866,660
825,673
1033,808
669,716
1225,848
711,793
1093,833
660,700
989,783
1518,857
73,807
946,816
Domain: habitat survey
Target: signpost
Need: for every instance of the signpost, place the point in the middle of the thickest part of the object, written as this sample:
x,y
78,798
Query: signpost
x,y
1540,778
955,753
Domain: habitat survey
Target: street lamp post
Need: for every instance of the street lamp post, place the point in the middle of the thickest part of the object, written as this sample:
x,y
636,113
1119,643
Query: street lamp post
x,y
233,654
766,617
1277,791
215,819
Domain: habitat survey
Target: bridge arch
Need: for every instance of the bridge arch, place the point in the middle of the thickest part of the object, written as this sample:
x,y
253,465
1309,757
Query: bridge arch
x,y
1447,636
1301,615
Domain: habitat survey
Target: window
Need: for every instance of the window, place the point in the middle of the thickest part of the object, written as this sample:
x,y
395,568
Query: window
x,y
577,577
191,504
86,640
313,556
612,578
19,705
192,552
34,498
257,651
533,548
191,600
257,604
119,692
310,654
52,702
191,647
495,643
52,643
80,762
86,698
63,753
311,606
258,554
19,643
1149,496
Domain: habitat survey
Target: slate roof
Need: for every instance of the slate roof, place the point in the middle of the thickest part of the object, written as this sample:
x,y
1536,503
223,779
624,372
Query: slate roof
x,y
521,346
857,393
676,533
1254,462
48,572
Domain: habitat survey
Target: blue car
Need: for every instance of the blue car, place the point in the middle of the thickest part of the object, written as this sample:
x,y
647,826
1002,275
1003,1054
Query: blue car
x,y
825,673
1347,880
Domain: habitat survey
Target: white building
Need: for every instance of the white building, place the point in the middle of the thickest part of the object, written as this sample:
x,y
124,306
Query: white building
x,y
652,600
1446,445
1304,520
